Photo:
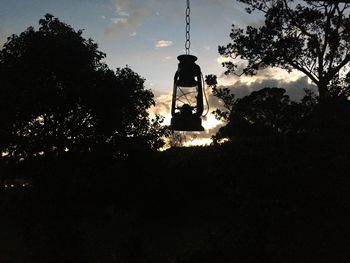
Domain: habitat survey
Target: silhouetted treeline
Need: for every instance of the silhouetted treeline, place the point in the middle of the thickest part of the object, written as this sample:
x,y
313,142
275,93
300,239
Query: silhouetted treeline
x,y
272,199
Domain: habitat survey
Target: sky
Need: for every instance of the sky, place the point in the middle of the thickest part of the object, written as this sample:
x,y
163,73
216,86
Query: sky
x,y
148,35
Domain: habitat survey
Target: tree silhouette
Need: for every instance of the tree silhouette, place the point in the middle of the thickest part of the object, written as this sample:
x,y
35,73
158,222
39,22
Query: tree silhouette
x,y
312,37
58,95
268,111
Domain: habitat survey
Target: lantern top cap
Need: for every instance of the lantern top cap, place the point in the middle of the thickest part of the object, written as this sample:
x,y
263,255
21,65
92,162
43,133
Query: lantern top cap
x,y
187,58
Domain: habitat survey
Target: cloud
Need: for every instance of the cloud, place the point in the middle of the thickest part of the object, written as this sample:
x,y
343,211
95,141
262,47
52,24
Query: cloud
x,y
3,37
222,59
136,12
163,43
129,17
118,20
294,88
163,103
123,13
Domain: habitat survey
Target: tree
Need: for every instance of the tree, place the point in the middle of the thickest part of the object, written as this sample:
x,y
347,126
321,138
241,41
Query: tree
x,y
268,111
58,95
265,112
313,38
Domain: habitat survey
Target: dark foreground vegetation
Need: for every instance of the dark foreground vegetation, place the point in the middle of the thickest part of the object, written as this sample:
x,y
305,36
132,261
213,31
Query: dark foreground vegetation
x,y
257,200
82,179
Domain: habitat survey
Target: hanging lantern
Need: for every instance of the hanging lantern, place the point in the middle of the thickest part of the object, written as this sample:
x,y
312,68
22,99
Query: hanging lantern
x,y
187,100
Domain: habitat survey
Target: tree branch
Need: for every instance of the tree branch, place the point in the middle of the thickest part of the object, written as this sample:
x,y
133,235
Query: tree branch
x,y
305,71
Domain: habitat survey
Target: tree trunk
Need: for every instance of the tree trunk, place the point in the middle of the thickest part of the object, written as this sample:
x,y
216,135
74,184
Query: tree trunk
x,y
323,92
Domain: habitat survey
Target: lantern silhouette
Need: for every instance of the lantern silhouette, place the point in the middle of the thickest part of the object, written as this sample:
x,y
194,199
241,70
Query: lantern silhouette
x,y
187,100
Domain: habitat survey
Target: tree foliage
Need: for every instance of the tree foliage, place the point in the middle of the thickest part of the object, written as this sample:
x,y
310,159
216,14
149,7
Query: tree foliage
x,y
312,37
266,112
57,95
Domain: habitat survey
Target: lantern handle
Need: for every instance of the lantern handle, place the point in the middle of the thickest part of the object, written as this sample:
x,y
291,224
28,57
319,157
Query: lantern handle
x,y
205,96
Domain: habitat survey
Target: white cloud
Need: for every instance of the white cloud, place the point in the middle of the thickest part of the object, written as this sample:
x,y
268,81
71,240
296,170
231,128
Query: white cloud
x,y
123,13
163,103
3,37
197,141
137,12
163,43
118,20
222,59
130,16
294,87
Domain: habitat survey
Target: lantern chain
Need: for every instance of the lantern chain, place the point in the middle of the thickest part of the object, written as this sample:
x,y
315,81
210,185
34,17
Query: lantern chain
x,y
188,28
